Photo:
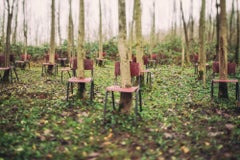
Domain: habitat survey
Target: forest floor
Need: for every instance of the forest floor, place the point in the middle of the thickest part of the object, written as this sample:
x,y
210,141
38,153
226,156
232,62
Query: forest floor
x,y
179,119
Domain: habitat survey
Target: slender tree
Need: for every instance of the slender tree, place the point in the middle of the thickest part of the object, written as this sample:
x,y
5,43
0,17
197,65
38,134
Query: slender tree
x,y
185,34
80,50
52,38
70,31
100,52
238,36
138,30
125,98
3,21
10,8
202,54
191,22
25,30
59,23
152,41
223,61
14,36
231,26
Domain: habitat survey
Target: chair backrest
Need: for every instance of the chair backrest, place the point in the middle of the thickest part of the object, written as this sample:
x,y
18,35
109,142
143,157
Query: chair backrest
x,y
134,69
154,56
28,57
231,68
145,60
2,60
195,58
134,58
12,58
215,67
117,69
46,57
88,64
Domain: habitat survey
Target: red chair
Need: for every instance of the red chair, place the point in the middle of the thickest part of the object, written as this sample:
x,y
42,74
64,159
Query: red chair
x,y
215,68
88,65
232,68
48,65
135,72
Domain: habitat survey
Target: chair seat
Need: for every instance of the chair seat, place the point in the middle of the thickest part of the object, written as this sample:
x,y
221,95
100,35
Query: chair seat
x,y
66,69
79,80
116,88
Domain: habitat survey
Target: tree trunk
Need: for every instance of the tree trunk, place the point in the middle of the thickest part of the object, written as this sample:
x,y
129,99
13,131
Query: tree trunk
x,y
185,34
238,36
25,30
52,38
202,54
81,54
70,32
14,37
138,30
191,21
100,52
223,89
231,29
59,24
125,98
152,41
217,30
10,8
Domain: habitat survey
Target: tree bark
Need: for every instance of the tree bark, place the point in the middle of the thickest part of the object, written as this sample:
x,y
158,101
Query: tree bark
x,y
202,54
100,52
25,30
81,54
52,38
125,98
59,24
223,89
185,34
70,32
138,30
238,36
14,36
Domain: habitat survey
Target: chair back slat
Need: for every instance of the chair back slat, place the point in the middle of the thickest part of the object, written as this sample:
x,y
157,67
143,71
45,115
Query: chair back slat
x,y
215,67
2,60
117,69
134,69
88,64
145,60
231,68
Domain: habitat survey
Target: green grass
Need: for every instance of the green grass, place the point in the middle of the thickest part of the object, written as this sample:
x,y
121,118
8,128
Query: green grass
x,y
179,120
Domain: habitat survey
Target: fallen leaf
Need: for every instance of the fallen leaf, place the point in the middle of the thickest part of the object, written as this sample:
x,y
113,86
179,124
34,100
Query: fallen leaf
x,y
184,149
229,126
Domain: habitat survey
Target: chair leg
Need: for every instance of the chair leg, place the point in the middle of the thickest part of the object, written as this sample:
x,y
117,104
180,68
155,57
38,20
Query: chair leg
x,y
15,72
105,106
237,92
113,101
140,99
67,90
91,91
62,76
212,89
136,107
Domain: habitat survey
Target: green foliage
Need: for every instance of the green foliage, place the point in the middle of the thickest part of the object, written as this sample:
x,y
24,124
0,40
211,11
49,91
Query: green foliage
x,y
179,120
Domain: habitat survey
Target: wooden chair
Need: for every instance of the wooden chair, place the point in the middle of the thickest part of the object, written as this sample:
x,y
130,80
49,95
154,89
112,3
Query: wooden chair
x,y
46,65
135,72
11,68
88,65
215,68
72,68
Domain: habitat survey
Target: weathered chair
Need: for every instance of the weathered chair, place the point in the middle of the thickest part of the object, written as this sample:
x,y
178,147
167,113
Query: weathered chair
x,y
46,66
88,65
11,68
215,68
72,68
232,69
135,72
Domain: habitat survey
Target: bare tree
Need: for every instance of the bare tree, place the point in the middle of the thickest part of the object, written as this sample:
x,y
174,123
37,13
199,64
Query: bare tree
x,y
25,30
59,23
125,98
202,54
52,38
238,36
100,52
223,61
70,31
80,52
14,36
185,34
